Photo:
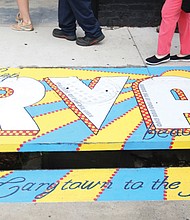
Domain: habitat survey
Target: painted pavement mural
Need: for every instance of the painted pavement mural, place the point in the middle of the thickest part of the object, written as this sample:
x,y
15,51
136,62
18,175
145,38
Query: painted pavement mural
x,y
44,109
95,185
54,109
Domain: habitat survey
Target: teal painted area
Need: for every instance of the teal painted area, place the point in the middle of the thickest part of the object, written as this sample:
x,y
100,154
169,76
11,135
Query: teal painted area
x,y
135,184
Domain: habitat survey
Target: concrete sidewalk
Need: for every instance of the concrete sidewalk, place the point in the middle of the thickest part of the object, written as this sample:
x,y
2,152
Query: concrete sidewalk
x,y
122,47
98,211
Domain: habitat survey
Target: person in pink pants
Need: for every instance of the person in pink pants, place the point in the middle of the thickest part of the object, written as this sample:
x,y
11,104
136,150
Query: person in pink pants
x,y
171,15
23,19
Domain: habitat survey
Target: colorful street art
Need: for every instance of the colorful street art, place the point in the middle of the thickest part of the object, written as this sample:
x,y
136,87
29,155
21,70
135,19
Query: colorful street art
x,y
94,109
90,185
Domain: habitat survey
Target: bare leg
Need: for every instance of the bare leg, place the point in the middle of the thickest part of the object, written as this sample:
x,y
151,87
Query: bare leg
x,y
23,19
23,6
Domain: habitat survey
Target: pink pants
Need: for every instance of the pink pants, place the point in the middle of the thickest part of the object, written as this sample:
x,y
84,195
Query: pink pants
x,y
171,15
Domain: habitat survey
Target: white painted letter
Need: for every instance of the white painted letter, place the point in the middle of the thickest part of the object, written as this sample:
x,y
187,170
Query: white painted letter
x,y
94,101
165,110
17,93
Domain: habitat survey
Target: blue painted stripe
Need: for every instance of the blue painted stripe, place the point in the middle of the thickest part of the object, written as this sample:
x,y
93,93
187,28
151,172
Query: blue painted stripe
x,y
157,71
131,80
68,137
46,108
87,82
126,90
142,140
2,92
175,95
120,109
135,184
47,87
63,139
139,71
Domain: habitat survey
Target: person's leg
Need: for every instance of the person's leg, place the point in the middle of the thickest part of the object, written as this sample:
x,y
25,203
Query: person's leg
x,y
85,17
66,18
184,31
67,22
158,29
24,20
170,16
23,6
